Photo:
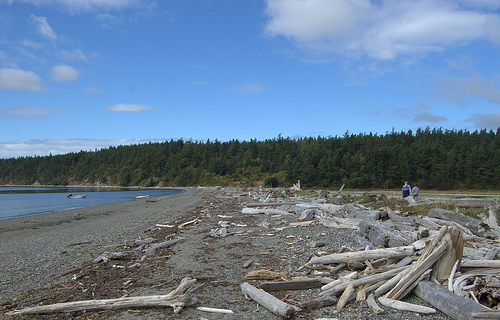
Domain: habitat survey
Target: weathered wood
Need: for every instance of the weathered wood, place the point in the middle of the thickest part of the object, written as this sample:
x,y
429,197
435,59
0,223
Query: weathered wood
x,y
164,244
373,304
405,306
454,251
486,315
265,275
474,225
389,284
177,299
350,276
345,257
292,285
481,264
355,265
449,303
361,282
345,297
215,310
491,254
417,270
268,301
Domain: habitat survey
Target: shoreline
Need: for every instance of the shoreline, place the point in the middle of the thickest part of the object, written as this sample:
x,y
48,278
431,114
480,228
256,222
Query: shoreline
x,y
34,247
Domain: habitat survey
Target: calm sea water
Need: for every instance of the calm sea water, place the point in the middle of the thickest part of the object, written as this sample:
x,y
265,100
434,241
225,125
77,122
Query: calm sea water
x,y
26,201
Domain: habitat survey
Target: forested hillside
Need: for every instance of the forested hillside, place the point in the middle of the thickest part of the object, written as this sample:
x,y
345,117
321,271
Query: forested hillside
x,y
433,158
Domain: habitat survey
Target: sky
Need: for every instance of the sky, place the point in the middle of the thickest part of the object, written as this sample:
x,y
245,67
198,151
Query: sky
x,y
89,74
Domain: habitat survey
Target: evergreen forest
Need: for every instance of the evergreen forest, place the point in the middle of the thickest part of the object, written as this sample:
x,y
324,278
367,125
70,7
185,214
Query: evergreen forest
x,y
433,158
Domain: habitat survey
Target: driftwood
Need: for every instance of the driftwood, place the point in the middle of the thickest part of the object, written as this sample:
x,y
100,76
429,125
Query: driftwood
x,y
454,251
345,257
405,306
177,299
449,303
164,244
474,225
265,275
345,297
363,281
481,264
370,301
268,301
292,285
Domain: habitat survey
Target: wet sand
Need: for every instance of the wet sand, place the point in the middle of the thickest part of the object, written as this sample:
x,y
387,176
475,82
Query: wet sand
x,y
35,247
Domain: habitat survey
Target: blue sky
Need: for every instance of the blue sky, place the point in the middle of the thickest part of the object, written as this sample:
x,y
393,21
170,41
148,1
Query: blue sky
x,y
80,75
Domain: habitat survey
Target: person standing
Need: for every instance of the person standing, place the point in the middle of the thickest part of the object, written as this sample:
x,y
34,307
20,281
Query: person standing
x,y
406,189
415,191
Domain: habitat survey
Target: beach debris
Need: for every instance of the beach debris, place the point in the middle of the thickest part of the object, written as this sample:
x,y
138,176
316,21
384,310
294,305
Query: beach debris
x,y
265,275
215,310
165,244
268,301
177,299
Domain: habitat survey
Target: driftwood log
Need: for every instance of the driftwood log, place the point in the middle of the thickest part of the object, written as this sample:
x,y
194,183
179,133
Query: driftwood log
x,y
345,257
449,303
268,301
177,299
292,285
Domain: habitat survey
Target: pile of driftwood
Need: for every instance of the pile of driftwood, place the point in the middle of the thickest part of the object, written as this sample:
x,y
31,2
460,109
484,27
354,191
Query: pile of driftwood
x,y
445,258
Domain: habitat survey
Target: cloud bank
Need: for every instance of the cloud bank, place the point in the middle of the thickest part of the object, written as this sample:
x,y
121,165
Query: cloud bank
x,y
21,80
382,30
15,149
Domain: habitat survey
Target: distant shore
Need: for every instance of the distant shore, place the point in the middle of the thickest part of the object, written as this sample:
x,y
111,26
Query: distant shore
x,y
33,248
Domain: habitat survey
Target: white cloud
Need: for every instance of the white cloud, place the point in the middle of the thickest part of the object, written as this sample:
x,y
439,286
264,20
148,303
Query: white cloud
x,y
381,30
128,108
31,44
17,79
24,148
78,6
43,27
63,74
75,55
30,112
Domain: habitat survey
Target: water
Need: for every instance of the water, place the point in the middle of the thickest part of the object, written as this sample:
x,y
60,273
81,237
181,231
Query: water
x,y
26,201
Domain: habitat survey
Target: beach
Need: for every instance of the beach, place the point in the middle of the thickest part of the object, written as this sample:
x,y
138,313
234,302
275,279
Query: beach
x,y
36,246
52,258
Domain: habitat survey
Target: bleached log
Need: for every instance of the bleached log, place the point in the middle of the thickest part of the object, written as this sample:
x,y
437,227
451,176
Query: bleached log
x,y
454,251
492,222
268,301
215,310
331,285
399,252
339,223
417,270
386,287
363,281
481,264
370,301
163,244
405,306
474,225
345,297
491,254
486,315
454,306
291,285
264,211
177,299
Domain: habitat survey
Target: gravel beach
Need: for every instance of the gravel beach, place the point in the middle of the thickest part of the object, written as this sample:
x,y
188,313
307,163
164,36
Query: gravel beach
x,y
36,246
33,249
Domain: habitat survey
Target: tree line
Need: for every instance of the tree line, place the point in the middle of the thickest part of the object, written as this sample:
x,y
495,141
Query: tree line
x,y
432,158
